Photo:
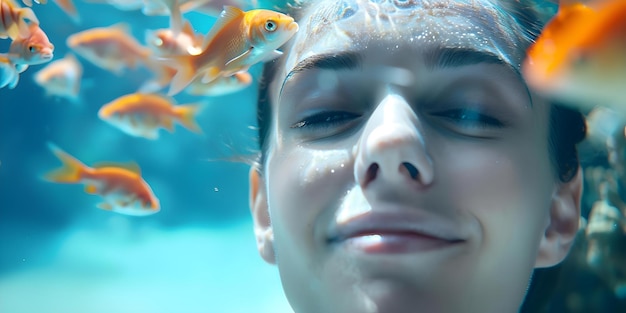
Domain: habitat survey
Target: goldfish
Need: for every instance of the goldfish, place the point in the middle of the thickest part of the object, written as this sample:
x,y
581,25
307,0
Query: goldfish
x,y
580,56
121,186
66,6
14,20
33,49
143,114
163,41
124,5
111,48
214,7
172,7
221,86
236,41
61,78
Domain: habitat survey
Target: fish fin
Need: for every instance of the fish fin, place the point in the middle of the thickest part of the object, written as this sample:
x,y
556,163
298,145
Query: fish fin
x,y
70,9
188,29
176,18
28,3
70,172
105,206
239,60
229,14
91,189
187,114
210,75
271,56
186,72
121,26
131,166
168,124
21,67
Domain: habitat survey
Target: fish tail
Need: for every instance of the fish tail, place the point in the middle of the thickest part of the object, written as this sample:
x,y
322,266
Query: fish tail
x,y
186,114
70,9
185,73
70,172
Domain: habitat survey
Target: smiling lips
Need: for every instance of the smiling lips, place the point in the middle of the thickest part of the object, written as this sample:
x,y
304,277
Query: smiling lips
x,y
406,232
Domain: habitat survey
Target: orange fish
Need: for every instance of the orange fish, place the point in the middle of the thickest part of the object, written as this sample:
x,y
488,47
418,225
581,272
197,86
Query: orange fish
x,y
171,7
111,48
61,78
214,7
124,5
33,49
121,187
221,86
164,43
143,114
580,57
236,41
14,20
66,6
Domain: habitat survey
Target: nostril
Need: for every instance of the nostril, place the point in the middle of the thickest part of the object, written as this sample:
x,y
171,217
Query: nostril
x,y
411,169
371,173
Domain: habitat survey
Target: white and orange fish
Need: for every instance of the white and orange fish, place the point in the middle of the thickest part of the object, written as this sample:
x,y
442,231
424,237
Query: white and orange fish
x,y
14,19
236,41
221,86
169,7
33,49
215,7
164,43
121,186
580,57
124,5
61,78
10,73
66,6
143,114
111,48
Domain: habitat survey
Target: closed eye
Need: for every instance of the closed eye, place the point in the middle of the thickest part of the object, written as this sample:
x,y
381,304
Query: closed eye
x,y
470,118
325,119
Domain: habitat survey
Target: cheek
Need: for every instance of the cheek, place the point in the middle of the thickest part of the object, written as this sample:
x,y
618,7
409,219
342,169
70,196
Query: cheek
x,y
303,186
508,190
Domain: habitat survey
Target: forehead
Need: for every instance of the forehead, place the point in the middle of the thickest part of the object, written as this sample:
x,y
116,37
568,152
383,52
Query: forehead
x,y
328,26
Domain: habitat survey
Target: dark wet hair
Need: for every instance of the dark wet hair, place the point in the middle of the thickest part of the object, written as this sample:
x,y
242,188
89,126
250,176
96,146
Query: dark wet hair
x,y
567,126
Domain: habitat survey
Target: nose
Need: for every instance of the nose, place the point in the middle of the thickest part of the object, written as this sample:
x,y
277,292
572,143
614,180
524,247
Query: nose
x,y
391,148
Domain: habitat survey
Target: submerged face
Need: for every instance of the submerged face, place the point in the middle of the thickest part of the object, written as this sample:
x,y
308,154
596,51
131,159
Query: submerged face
x,y
407,167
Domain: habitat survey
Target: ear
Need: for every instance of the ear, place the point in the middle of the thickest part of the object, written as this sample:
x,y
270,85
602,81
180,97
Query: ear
x,y
563,224
261,217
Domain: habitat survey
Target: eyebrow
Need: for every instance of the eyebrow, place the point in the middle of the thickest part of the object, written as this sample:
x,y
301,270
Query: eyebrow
x,y
330,61
441,57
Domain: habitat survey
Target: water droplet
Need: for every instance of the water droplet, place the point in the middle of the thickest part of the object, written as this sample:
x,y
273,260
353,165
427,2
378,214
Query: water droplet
x,y
216,189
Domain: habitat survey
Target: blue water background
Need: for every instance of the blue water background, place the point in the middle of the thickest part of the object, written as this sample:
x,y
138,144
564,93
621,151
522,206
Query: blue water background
x,y
60,254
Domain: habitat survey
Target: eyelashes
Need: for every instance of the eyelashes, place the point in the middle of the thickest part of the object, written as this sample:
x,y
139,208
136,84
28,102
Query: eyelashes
x,y
470,118
325,120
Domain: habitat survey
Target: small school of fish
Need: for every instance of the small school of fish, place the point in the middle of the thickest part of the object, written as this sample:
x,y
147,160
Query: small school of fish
x,y
580,57
211,64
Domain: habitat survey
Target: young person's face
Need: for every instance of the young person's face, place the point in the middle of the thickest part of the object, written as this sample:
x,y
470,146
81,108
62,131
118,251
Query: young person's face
x,y
407,166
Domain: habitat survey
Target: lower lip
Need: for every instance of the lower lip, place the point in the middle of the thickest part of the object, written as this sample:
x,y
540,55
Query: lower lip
x,y
391,243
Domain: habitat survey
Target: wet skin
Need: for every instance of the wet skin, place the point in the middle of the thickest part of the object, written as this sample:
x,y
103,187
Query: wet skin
x,y
407,167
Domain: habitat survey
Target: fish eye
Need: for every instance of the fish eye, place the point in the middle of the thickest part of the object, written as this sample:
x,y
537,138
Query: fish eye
x,y
32,48
270,25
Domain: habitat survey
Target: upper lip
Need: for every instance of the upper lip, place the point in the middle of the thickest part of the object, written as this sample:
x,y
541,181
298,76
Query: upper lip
x,y
380,223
